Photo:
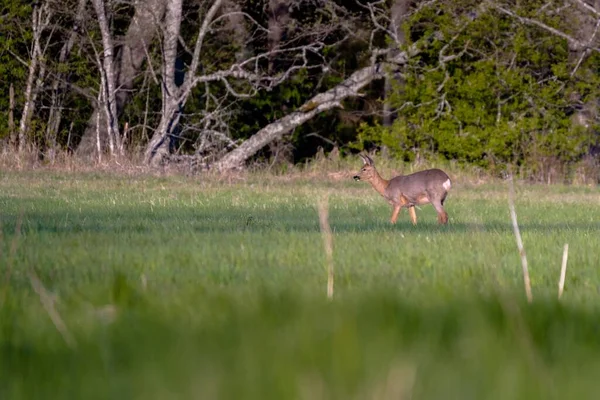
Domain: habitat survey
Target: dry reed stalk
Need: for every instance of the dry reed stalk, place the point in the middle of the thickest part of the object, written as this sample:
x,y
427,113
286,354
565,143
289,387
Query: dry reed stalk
x,y
48,303
513,216
11,255
327,241
144,282
563,270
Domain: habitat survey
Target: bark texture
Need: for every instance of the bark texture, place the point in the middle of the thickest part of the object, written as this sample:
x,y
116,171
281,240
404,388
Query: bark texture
x,y
129,59
58,84
398,11
39,21
173,96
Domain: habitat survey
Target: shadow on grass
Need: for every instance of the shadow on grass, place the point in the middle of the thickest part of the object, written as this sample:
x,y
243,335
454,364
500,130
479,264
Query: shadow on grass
x,y
235,221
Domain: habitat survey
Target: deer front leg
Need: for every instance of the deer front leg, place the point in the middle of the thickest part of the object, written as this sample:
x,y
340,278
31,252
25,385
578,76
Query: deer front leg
x,y
413,215
395,213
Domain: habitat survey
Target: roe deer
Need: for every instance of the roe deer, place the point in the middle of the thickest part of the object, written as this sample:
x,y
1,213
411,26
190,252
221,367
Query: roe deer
x,y
407,191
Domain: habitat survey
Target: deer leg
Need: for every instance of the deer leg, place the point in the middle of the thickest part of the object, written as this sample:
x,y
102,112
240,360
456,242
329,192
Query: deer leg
x,y
413,215
395,213
442,214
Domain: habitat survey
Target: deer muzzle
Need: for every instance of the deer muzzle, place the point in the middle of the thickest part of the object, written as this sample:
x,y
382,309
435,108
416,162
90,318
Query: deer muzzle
x,y
356,178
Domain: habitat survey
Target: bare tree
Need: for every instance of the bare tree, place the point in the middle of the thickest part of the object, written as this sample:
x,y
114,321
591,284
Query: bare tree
x,y
322,102
173,96
384,20
40,19
108,87
241,79
131,52
59,80
279,16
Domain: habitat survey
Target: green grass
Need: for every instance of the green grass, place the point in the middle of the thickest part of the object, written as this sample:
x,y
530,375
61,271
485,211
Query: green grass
x,y
179,287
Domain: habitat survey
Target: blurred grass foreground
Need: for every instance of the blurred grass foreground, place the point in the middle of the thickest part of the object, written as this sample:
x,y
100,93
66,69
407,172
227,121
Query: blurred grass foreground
x,y
125,287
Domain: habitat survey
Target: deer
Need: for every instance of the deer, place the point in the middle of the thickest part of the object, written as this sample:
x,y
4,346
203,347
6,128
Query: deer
x,y
429,186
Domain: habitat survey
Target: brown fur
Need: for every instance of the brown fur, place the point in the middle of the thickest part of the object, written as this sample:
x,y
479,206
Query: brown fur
x,y
407,191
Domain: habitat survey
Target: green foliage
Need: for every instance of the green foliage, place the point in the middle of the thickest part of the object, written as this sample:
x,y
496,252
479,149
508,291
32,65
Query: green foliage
x,y
505,98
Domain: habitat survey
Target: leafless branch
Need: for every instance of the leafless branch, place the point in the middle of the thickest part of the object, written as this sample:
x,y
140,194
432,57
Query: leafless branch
x,y
323,138
575,43
587,7
245,15
202,34
107,69
376,14
587,51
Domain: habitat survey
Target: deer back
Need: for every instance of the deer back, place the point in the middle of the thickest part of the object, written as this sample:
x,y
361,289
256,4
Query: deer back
x,y
419,187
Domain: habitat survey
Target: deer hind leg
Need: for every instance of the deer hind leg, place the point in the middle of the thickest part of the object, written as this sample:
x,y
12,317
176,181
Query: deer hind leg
x,y
443,199
413,215
442,214
395,213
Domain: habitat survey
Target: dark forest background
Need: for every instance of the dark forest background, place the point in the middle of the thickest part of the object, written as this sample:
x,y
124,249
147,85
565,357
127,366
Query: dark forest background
x,y
494,84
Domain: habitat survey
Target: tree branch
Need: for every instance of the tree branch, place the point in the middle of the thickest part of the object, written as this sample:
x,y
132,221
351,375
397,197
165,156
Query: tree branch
x,y
577,44
202,34
321,102
588,7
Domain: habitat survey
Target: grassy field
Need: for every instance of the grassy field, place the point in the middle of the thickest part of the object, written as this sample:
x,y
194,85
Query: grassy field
x,y
130,287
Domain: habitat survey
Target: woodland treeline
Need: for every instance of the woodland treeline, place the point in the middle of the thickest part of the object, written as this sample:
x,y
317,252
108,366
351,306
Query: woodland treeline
x,y
492,83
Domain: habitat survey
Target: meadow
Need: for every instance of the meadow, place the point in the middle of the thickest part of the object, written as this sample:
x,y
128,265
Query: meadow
x,y
128,286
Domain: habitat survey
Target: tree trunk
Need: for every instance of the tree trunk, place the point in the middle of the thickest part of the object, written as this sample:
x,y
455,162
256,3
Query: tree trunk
x,y
279,16
174,97
158,147
110,78
127,64
58,85
321,102
12,133
398,10
40,20
237,25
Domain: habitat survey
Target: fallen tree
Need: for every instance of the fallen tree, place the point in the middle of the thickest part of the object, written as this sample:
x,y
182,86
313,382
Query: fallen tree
x,y
322,102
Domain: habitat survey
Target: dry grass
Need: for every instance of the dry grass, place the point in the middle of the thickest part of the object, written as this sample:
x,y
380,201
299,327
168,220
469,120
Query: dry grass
x,y
520,246
327,241
563,270
329,169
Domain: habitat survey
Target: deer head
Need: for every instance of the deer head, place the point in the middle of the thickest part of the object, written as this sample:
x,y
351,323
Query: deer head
x,y
367,172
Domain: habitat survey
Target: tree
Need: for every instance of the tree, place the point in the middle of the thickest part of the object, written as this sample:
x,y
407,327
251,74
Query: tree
x,y
239,78
123,60
230,81
40,20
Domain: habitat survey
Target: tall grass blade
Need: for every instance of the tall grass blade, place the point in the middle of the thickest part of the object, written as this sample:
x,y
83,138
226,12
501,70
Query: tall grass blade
x,y
563,270
513,216
327,241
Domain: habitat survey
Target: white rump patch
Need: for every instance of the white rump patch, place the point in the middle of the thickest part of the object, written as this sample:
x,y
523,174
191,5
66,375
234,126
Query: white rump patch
x,y
447,185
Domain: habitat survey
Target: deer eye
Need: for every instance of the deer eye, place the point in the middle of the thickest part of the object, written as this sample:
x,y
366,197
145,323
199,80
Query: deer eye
x,y
364,169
